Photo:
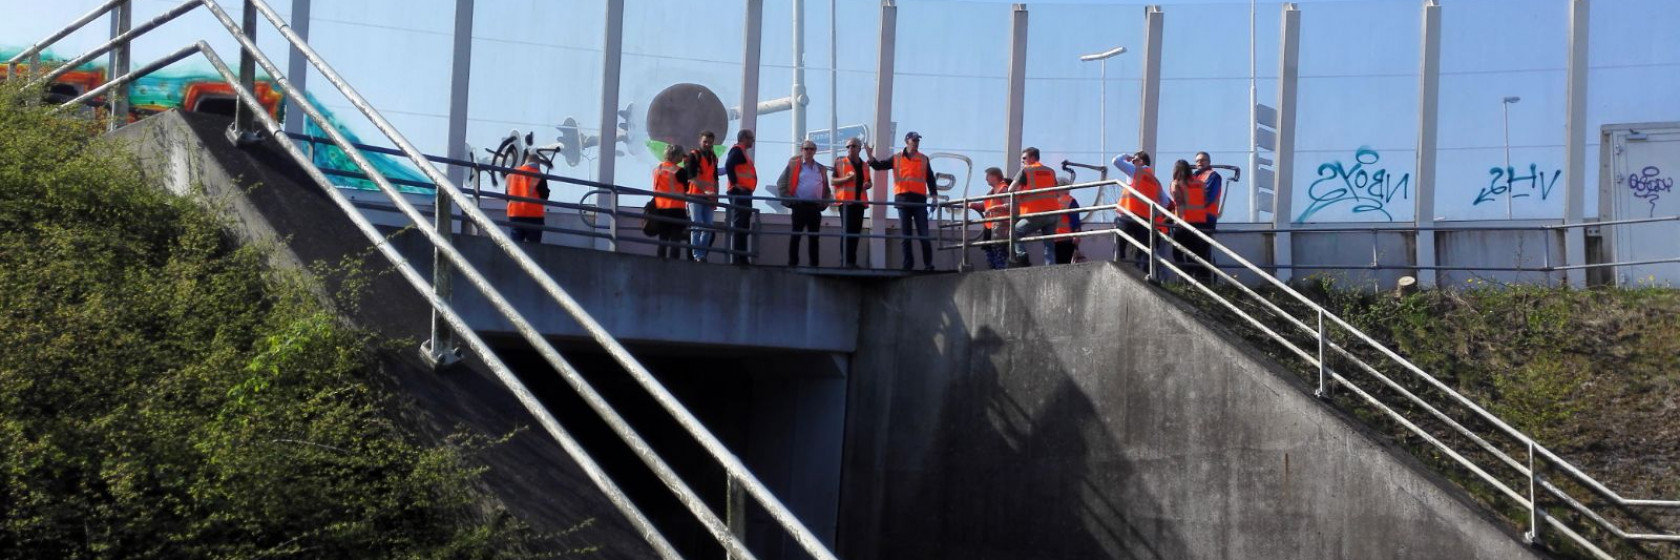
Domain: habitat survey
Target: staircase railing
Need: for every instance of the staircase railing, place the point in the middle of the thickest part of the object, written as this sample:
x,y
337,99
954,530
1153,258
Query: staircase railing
x,y
1320,350
447,256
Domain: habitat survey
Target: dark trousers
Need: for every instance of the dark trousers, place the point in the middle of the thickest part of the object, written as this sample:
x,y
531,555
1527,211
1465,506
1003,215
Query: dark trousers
x,y
672,232
807,216
913,222
1198,247
526,234
741,220
1064,251
851,216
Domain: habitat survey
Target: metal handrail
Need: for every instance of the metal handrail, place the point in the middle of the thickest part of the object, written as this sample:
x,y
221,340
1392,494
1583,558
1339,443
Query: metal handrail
x,y
1328,374
733,467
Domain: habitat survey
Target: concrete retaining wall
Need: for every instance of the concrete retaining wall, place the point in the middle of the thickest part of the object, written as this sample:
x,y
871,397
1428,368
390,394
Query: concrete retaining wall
x,y
1074,412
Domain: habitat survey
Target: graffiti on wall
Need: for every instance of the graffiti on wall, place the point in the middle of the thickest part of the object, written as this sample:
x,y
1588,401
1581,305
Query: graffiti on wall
x,y
1362,188
1649,185
1505,182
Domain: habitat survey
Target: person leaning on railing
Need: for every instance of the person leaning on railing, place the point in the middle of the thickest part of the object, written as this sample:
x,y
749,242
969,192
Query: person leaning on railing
x,y
525,212
806,180
911,173
702,183
996,255
743,180
1136,166
851,186
668,183
1034,176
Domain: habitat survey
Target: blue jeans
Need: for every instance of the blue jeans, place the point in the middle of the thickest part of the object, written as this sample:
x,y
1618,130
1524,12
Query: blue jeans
x,y
1036,225
913,217
701,214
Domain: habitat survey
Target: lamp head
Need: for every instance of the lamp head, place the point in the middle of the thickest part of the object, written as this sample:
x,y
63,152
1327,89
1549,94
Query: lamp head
x,y
1102,55
1512,99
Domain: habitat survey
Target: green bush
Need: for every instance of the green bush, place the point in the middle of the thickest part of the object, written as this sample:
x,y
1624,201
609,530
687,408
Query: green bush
x,y
162,395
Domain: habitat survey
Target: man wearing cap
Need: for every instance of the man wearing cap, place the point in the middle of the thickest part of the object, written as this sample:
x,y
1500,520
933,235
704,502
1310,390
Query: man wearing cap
x,y
527,184
912,172
851,187
804,188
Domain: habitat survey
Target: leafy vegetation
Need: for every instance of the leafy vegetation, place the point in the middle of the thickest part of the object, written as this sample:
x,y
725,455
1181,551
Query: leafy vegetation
x,y
1593,375
163,395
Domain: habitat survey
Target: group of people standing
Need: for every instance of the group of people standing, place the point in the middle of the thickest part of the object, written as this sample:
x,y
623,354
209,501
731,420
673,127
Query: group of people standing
x,y
686,194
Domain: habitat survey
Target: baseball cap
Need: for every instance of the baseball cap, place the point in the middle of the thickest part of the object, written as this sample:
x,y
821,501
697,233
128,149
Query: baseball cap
x,y
912,135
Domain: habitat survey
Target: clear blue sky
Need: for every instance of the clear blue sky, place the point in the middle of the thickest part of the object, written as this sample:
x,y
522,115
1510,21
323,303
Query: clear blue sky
x,y
537,62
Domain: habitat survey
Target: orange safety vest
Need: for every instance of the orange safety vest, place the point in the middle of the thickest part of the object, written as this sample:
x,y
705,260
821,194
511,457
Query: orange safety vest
x,y
1066,223
910,174
665,182
1146,184
704,180
794,168
1038,177
849,190
746,174
1197,207
523,186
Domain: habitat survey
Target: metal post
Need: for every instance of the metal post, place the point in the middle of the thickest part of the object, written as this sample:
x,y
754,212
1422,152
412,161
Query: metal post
x,y
1505,113
1014,216
962,264
1015,109
1253,117
751,40
1429,90
297,68
1574,240
1533,535
834,139
244,131
1322,367
1289,70
1153,277
440,351
612,46
883,131
1149,121
460,75
122,17
735,510
799,76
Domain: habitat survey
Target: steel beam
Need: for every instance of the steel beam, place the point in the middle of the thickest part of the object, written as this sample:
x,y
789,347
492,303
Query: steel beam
x,y
122,19
1289,71
1149,120
882,140
297,68
1017,89
460,76
1575,170
1429,91
612,55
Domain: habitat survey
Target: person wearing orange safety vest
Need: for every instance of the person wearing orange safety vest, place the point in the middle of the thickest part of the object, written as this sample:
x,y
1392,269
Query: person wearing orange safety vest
x,y
743,180
912,178
702,166
1034,176
851,186
1137,167
996,255
670,181
534,187
804,189
1069,223
1197,203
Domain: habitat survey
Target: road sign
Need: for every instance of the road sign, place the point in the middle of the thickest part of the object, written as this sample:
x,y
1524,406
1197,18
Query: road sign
x,y
821,137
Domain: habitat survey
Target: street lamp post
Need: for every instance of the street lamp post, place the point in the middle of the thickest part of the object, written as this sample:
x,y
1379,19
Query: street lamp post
x,y
1102,104
1505,108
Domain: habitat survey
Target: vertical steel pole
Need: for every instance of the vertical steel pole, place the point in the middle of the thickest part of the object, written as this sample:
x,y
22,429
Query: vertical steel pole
x,y
244,120
751,45
883,132
1575,171
735,510
1014,216
1253,117
1017,89
122,18
834,139
1149,121
798,119
297,68
1505,114
460,76
1429,92
1153,275
1289,71
1533,535
962,265
612,43
439,350
1322,367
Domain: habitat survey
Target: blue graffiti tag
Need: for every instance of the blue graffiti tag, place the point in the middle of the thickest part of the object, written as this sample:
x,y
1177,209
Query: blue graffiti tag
x,y
1535,181
1649,184
1370,190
